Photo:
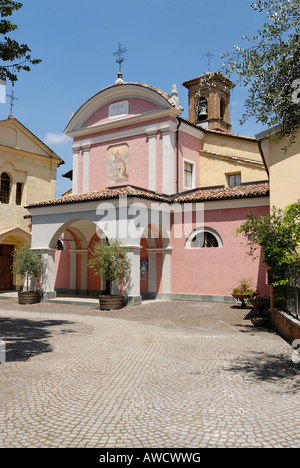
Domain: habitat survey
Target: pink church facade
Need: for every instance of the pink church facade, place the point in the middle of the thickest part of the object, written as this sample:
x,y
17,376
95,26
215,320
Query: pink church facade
x,y
135,176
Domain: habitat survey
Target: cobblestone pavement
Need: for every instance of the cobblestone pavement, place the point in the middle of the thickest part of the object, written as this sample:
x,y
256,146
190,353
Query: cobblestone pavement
x,y
167,374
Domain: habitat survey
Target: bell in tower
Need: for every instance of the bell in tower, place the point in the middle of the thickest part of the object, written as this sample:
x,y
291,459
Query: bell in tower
x,y
202,109
209,101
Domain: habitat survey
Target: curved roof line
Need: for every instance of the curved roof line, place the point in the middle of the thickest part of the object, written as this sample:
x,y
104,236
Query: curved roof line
x,y
158,91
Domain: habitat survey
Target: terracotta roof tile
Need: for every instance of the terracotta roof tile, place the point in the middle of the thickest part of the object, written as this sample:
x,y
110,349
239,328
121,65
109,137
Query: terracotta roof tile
x,y
202,194
108,193
225,193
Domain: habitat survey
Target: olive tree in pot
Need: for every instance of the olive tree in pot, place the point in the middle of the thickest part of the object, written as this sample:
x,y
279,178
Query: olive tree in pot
x,y
109,260
31,267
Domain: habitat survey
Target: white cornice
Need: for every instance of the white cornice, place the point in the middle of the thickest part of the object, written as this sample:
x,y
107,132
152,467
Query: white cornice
x,y
192,131
29,154
124,122
167,126
232,158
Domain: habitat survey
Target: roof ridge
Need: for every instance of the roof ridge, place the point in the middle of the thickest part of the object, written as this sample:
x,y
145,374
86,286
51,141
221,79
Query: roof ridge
x,y
200,194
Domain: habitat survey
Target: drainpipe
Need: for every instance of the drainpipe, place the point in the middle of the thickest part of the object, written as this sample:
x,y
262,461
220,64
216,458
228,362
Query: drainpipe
x,y
177,157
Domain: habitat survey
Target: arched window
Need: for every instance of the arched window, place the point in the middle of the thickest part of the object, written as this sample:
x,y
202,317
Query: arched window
x,y
4,188
203,238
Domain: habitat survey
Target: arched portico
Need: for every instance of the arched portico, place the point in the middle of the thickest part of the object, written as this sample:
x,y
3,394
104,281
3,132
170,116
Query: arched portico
x,y
72,243
74,226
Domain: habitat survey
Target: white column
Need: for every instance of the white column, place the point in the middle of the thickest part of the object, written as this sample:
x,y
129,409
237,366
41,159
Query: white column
x,y
75,173
132,286
86,169
152,161
48,256
168,172
166,272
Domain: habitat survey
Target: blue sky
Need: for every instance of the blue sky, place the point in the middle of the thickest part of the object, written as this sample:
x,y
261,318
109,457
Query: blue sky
x,y
165,40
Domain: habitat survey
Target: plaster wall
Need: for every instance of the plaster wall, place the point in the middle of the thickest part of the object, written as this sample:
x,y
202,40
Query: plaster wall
x,y
214,271
284,172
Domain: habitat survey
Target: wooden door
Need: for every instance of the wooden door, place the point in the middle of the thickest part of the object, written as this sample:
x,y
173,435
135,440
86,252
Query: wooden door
x,y
6,260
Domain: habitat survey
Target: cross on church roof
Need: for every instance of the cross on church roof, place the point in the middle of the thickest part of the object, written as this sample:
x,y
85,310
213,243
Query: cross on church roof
x,y
120,59
12,99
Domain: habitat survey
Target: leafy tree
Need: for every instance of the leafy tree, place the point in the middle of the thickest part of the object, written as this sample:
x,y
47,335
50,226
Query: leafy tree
x,y
279,236
109,260
270,65
28,264
14,56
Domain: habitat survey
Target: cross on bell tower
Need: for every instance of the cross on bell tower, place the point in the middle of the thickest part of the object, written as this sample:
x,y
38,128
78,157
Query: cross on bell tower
x,y
120,59
208,55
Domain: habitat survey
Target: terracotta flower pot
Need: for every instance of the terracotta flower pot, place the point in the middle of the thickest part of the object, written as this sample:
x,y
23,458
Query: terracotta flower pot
x,y
260,306
242,298
260,321
111,302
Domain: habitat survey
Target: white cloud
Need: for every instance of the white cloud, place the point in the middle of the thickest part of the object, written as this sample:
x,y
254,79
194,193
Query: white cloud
x,y
237,103
56,138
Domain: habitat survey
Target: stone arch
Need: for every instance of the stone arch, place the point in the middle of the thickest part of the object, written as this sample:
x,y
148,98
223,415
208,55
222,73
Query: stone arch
x,y
71,263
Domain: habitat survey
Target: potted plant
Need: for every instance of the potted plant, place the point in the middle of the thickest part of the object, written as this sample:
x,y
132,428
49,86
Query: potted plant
x,y
243,291
109,260
260,305
31,267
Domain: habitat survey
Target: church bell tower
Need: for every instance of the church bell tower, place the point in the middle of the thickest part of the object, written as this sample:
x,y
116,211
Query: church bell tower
x,y
209,101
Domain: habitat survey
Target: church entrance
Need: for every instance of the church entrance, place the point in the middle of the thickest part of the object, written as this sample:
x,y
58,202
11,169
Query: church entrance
x,y
6,261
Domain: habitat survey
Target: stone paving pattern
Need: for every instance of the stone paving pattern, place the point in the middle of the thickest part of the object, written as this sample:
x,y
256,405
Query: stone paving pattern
x,y
166,374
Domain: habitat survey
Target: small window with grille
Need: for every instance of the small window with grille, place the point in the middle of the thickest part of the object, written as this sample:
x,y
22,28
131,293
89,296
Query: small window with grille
x,y
203,238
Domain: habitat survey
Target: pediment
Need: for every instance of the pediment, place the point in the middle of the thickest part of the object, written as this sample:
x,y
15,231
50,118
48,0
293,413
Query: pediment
x,y
15,135
121,102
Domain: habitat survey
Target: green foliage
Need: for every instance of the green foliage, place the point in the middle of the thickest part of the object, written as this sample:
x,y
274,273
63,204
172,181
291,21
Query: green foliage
x,y
16,55
270,65
278,234
244,287
110,260
27,263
